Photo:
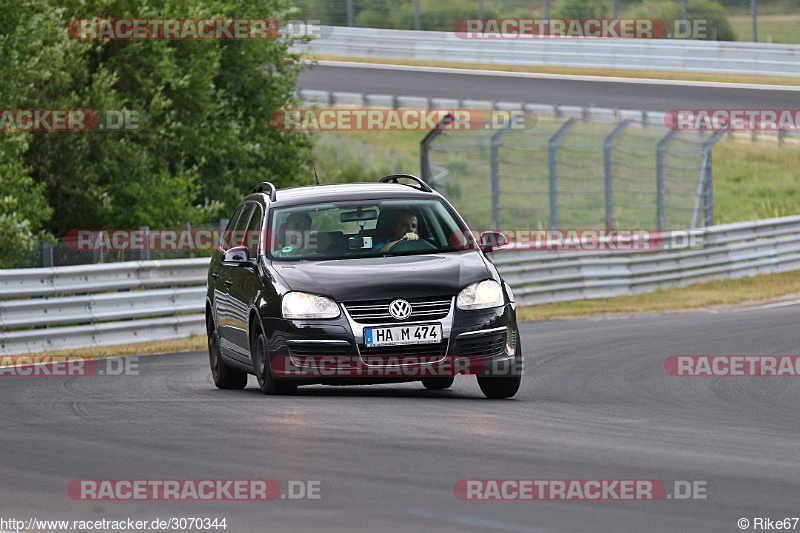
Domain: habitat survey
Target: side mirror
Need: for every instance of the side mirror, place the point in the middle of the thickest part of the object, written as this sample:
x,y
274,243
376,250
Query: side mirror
x,y
492,240
239,255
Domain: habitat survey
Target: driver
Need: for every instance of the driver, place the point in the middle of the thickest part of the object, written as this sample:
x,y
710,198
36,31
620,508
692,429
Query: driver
x,y
404,227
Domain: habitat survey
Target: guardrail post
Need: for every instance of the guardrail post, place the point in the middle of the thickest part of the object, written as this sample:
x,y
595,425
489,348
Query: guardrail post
x,y
424,147
495,168
552,159
608,146
661,221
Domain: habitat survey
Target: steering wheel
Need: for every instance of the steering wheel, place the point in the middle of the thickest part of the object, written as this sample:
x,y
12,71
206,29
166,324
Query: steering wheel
x,y
412,246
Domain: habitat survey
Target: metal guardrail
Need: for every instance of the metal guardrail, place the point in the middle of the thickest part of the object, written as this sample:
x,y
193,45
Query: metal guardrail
x,y
72,307
96,305
640,54
643,117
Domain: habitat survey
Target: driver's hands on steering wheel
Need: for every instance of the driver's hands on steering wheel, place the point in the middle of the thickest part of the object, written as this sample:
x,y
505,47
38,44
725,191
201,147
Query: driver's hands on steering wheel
x,y
410,236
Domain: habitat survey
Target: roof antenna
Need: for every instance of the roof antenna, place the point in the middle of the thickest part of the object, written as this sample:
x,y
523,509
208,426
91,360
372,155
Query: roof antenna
x,y
315,169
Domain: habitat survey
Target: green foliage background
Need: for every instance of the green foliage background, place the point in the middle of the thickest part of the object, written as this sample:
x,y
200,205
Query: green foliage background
x,y
204,141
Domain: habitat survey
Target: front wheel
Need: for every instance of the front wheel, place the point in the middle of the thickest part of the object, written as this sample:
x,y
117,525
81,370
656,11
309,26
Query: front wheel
x,y
266,381
224,376
496,387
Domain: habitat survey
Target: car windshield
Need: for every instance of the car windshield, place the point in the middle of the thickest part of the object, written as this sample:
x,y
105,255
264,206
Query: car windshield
x,y
347,230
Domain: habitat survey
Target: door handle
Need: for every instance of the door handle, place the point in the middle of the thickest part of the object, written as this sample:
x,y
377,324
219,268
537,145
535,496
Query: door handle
x,y
228,283
215,275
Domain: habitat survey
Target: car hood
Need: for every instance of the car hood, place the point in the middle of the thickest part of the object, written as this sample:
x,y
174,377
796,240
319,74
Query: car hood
x,y
375,278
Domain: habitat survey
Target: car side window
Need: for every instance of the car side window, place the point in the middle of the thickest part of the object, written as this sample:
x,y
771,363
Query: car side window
x,y
226,235
253,238
235,235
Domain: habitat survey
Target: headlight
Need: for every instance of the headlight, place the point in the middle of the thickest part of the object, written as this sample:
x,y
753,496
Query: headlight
x,y
303,305
481,295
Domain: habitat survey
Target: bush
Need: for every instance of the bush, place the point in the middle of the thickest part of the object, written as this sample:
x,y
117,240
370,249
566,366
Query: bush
x,y
576,9
717,27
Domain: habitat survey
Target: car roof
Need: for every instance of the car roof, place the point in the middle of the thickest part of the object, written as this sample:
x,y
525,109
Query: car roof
x,y
311,194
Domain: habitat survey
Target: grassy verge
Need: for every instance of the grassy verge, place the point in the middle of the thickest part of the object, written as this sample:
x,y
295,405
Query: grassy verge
x,y
784,29
713,294
582,71
187,344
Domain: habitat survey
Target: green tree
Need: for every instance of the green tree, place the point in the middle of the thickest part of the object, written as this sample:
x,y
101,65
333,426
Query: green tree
x,y
205,136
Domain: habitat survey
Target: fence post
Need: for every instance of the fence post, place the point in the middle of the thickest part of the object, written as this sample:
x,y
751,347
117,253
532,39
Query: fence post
x,y
47,254
705,187
424,147
552,158
495,167
661,220
708,196
608,146
350,14
144,253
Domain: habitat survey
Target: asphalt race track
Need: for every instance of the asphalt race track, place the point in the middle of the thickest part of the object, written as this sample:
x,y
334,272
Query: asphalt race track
x,y
596,403
414,81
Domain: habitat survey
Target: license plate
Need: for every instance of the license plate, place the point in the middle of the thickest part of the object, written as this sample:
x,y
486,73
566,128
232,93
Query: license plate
x,y
400,335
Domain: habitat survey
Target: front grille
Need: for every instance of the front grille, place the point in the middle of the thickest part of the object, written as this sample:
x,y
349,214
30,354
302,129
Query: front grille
x,y
487,345
377,311
436,349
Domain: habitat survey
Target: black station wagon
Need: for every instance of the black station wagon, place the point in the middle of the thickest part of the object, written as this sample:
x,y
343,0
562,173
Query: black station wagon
x,y
358,283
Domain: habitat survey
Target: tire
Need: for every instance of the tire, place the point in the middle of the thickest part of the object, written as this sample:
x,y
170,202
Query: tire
x,y
224,376
497,387
438,383
266,381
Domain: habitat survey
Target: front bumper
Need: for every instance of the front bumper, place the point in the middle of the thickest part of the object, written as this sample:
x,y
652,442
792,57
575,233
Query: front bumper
x,y
332,351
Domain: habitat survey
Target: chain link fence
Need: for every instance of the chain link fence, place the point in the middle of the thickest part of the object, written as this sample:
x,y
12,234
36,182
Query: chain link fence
x,y
581,171
63,252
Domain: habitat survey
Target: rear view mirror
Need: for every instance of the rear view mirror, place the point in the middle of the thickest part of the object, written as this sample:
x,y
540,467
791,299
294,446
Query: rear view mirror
x,y
359,216
238,254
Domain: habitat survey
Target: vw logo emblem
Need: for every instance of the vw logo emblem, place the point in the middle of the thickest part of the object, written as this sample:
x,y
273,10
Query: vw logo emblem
x,y
400,309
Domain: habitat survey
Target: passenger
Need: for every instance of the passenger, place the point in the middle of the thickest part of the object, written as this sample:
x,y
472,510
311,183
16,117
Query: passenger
x,y
297,232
